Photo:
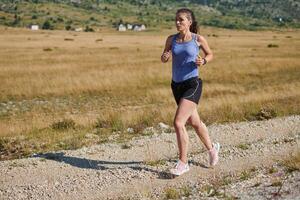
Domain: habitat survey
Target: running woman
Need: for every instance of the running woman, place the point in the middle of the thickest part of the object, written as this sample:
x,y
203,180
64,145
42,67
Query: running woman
x,y
187,86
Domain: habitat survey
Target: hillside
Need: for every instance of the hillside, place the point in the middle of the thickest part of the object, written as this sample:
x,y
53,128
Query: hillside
x,y
94,14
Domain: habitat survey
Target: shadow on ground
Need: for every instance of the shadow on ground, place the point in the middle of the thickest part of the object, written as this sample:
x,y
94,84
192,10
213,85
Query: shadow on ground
x,y
102,165
199,164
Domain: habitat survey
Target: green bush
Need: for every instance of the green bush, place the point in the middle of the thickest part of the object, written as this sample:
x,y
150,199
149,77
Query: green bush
x,y
273,45
88,29
60,19
17,20
68,27
171,193
47,25
113,122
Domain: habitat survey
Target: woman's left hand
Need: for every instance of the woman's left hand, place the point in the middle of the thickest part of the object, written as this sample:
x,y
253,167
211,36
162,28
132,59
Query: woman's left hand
x,y
200,61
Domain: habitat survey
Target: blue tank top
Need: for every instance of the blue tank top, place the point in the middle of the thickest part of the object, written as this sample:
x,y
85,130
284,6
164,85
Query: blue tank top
x,y
184,59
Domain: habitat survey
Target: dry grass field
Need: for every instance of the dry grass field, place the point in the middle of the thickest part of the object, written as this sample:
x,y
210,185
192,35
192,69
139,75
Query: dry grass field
x,y
64,90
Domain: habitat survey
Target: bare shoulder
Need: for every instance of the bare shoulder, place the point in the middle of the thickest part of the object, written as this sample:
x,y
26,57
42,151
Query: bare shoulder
x,y
168,45
169,40
201,38
204,45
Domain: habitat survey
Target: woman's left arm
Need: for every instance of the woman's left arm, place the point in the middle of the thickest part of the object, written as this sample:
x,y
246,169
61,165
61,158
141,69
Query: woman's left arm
x,y
208,55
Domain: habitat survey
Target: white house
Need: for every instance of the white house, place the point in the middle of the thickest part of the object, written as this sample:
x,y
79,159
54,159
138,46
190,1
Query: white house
x,y
138,27
34,27
129,26
121,27
78,29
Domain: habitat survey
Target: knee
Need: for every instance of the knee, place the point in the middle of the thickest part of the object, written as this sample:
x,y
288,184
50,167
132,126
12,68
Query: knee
x,y
195,124
178,124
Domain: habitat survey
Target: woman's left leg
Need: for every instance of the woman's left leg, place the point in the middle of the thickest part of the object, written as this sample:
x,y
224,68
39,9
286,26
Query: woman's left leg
x,y
202,132
200,129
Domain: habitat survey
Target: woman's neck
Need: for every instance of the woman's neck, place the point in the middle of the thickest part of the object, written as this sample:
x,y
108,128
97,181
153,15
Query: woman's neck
x,y
185,35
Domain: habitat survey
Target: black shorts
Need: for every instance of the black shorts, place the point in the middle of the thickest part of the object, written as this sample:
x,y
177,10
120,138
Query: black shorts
x,y
189,89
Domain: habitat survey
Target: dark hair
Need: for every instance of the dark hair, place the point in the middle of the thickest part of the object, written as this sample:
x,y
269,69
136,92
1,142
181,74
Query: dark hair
x,y
190,16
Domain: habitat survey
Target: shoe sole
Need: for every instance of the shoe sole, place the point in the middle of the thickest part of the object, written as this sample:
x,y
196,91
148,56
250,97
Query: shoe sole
x,y
179,174
217,147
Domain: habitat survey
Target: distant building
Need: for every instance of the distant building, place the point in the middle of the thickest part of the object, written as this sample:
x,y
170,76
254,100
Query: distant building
x,y
78,29
121,27
129,26
138,27
133,27
34,27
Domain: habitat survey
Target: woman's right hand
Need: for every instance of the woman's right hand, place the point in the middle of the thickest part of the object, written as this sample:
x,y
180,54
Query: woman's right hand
x,y
165,56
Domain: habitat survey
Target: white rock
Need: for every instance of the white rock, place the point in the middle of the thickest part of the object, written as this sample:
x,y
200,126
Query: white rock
x,y
130,130
163,126
91,136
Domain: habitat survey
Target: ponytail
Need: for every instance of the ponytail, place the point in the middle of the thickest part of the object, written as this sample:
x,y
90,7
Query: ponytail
x,y
190,16
194,27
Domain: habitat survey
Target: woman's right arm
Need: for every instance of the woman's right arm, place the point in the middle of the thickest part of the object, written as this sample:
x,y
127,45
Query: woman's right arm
x,y
167,51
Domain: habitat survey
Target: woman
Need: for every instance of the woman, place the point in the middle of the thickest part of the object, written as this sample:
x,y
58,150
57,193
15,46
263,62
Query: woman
x,y
186,86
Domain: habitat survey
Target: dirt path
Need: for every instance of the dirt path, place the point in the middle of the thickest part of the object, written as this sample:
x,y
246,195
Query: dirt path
x,y
250,167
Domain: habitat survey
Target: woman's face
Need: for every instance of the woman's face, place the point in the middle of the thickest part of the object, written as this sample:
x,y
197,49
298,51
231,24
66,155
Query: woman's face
x,y
182,22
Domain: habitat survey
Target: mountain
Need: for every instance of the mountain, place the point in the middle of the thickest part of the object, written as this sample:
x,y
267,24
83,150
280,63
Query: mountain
x,y
91,14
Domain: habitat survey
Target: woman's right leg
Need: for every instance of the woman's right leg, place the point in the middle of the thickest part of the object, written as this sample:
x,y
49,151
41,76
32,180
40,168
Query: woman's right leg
x,y
184,111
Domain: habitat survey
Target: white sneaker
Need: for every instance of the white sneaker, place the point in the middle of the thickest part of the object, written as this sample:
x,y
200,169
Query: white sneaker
x,y
180,168
214,154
